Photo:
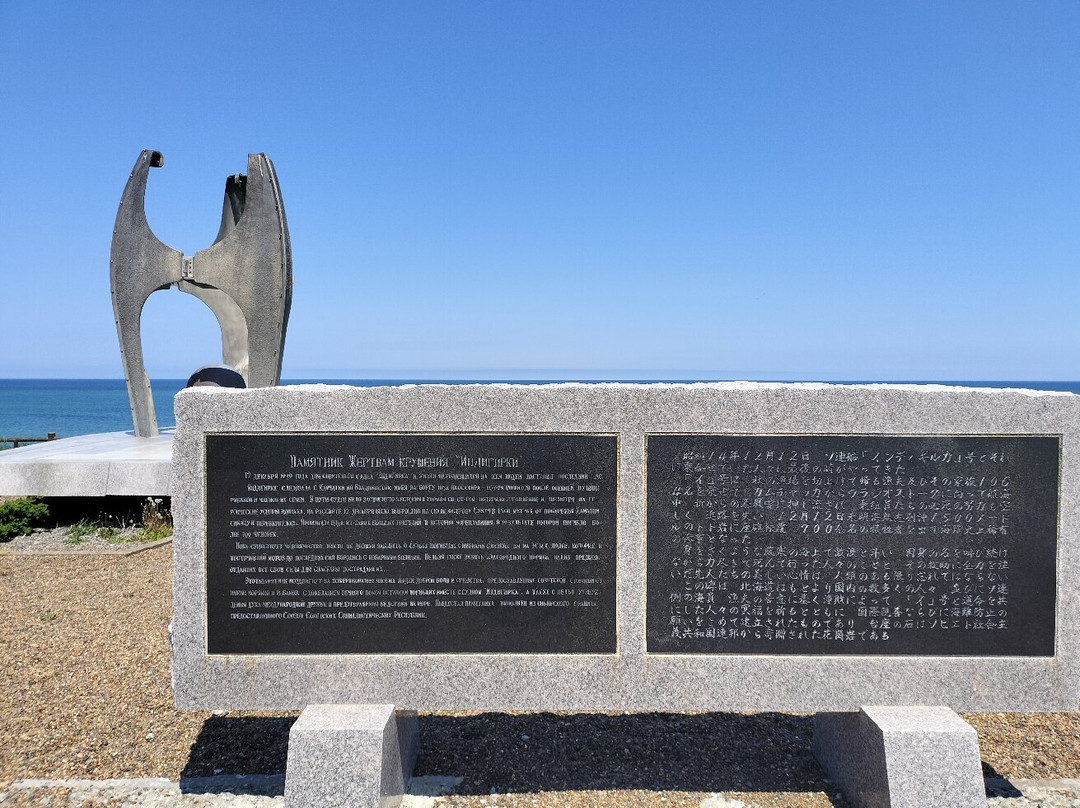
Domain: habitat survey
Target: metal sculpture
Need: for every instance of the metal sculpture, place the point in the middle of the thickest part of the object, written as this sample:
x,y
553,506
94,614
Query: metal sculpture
x,y
245,277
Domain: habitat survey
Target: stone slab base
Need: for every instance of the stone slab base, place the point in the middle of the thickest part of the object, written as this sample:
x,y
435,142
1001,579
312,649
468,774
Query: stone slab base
x,y
350,756
901,757
104,465
629,677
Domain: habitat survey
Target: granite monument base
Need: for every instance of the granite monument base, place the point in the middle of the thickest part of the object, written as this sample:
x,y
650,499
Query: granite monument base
x,y
669,547
301,511
901,757
350,756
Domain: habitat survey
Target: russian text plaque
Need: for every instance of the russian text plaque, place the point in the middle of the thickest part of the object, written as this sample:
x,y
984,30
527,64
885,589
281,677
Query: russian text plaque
x,y
410,543
854,544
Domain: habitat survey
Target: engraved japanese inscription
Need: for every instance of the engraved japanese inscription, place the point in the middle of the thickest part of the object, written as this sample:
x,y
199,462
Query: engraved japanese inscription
x,y
856,544
410,543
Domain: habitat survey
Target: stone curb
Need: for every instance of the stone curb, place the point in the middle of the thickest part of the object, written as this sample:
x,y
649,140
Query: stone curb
x,y
1070,785
226,791
263,789
119,551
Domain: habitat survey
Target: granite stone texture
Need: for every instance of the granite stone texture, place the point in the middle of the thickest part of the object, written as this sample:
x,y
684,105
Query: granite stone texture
x,y
349,756
102,465
901,757
630,678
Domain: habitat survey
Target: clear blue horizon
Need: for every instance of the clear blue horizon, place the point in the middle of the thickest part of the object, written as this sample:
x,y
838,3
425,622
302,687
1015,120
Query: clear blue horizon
x,y
828,191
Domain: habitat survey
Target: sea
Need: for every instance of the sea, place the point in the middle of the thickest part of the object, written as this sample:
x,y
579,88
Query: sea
x,y
31,408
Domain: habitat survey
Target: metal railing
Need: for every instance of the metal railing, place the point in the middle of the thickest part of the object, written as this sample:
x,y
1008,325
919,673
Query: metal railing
x,y
16,441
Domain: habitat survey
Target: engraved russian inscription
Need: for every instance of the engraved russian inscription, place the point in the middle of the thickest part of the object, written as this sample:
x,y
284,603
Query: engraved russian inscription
x,y
410,543
858,544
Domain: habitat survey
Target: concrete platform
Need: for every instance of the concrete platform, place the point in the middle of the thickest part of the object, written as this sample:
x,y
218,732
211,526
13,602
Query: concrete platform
x,y
107,464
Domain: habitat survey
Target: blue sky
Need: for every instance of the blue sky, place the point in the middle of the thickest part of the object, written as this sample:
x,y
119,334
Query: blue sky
x,y
811,190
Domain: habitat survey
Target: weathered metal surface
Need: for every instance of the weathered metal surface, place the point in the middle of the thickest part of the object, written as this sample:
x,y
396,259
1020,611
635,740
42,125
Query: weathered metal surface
x,y
245,277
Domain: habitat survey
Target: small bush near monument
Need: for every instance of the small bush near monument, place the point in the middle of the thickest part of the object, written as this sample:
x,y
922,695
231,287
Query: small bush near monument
x,y
18,517
156,521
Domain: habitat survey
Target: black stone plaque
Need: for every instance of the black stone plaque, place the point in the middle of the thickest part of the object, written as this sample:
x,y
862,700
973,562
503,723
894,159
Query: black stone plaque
x,y
855,544
410,543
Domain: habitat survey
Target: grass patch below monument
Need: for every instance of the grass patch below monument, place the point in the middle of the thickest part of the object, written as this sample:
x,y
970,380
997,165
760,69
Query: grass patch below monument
x,y
94,524
79,532
154,523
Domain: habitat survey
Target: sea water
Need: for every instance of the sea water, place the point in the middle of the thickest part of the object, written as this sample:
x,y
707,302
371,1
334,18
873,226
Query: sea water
x,y
69,407
31,408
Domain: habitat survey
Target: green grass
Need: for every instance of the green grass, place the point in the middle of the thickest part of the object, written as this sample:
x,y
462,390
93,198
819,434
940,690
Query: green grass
x,y
156,521
154,524
79,532
113,535
156,533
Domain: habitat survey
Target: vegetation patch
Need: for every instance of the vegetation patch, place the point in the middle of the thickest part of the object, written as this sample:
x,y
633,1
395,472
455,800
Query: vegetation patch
x,y
113,535
156,521
18,517
86,523
79,532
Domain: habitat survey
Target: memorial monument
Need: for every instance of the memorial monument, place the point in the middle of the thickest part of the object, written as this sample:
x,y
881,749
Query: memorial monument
x,y
245,277
881,555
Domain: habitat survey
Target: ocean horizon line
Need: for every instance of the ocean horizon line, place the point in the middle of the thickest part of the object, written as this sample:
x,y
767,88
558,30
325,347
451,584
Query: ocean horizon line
x,y
598,377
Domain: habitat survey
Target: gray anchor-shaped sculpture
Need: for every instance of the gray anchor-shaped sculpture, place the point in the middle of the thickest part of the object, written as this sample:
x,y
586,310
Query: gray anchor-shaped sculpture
x,y
245,277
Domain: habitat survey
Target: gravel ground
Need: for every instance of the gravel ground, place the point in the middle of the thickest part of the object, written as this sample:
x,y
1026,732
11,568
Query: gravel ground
x,y
85,695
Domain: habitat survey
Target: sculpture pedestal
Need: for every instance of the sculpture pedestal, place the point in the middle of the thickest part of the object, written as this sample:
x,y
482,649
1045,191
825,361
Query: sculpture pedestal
x,y
901,757
350,756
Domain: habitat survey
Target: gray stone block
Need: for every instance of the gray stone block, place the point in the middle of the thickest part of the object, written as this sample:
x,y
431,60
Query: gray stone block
x,y
631,678
901,757
350,756
106,464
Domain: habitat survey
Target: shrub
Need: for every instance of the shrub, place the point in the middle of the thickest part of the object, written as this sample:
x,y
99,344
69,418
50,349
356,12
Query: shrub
x,y
156,521
18,517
